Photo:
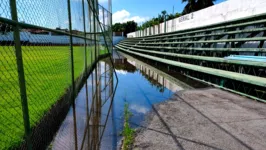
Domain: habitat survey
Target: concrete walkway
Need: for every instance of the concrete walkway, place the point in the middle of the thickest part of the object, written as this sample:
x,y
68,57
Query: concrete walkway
x,y
205,119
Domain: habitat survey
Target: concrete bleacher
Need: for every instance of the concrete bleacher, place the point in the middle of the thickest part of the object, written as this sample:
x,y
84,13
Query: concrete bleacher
x,y
207,50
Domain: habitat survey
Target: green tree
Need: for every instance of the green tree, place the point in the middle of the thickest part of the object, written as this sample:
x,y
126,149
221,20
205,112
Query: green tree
x,y
170,17
195,5
4,28
201,4
160,18
130,26
164,12
177,15
127,27
190,7
118,27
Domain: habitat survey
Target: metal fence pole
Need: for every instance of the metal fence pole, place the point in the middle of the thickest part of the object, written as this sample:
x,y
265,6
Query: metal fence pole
x,y
86,84
110,18
21,75
85,41
71,49
73,95
96,8
104,26
103,20
94,29
89,13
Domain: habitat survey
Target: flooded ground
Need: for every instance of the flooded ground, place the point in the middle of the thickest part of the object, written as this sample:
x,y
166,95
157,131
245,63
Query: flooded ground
x,y
96,119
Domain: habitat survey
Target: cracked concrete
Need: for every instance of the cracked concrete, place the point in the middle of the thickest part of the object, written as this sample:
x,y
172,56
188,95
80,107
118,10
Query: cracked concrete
x,y
204,119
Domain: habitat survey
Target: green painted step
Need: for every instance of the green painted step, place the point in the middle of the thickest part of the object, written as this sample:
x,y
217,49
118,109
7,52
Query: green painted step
x,y
259,81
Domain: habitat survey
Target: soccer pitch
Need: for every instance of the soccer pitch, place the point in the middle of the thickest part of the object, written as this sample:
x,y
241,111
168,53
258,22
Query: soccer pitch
x,y
47,74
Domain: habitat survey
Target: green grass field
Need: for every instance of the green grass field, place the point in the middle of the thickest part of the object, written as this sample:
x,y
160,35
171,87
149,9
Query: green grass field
x,y
48,75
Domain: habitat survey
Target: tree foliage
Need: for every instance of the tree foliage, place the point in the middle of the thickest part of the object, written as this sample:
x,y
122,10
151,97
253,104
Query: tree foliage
x,y
4,28
159,19
127,27
195,5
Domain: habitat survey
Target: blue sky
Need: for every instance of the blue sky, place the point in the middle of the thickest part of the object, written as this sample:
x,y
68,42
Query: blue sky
x,y
123,10
142,10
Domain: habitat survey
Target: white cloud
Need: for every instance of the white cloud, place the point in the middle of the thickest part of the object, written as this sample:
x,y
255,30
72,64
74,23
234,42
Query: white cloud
x,y
99,1
102,1
139,109
121,72
124,16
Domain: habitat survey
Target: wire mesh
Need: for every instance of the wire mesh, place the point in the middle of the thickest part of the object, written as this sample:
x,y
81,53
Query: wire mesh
x,y
11,116
36,39
4,9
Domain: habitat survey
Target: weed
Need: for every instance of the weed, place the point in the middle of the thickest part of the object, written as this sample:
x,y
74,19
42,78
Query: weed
x,y
128,132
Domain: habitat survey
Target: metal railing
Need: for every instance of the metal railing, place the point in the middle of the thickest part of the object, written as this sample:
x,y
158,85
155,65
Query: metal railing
x,y
47,48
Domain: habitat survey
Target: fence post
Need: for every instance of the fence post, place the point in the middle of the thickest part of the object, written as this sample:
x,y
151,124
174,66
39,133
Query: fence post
x,y
97,27
104,27
103,21
86,84
110,18
94,28
85,41
89,14
71,50
73,95
21,75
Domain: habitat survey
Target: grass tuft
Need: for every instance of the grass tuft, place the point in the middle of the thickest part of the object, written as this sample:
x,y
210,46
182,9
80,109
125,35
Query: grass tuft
x,y
128,132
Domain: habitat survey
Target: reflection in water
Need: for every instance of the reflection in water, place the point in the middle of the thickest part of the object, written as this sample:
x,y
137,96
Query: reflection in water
x,y
141,86
96,119
86,121
156,77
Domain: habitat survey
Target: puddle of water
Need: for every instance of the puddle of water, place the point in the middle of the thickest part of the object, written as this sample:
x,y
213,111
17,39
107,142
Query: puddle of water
x,y
140,85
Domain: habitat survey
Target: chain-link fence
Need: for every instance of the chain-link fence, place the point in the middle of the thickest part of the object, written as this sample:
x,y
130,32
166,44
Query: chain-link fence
x,y
47,48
